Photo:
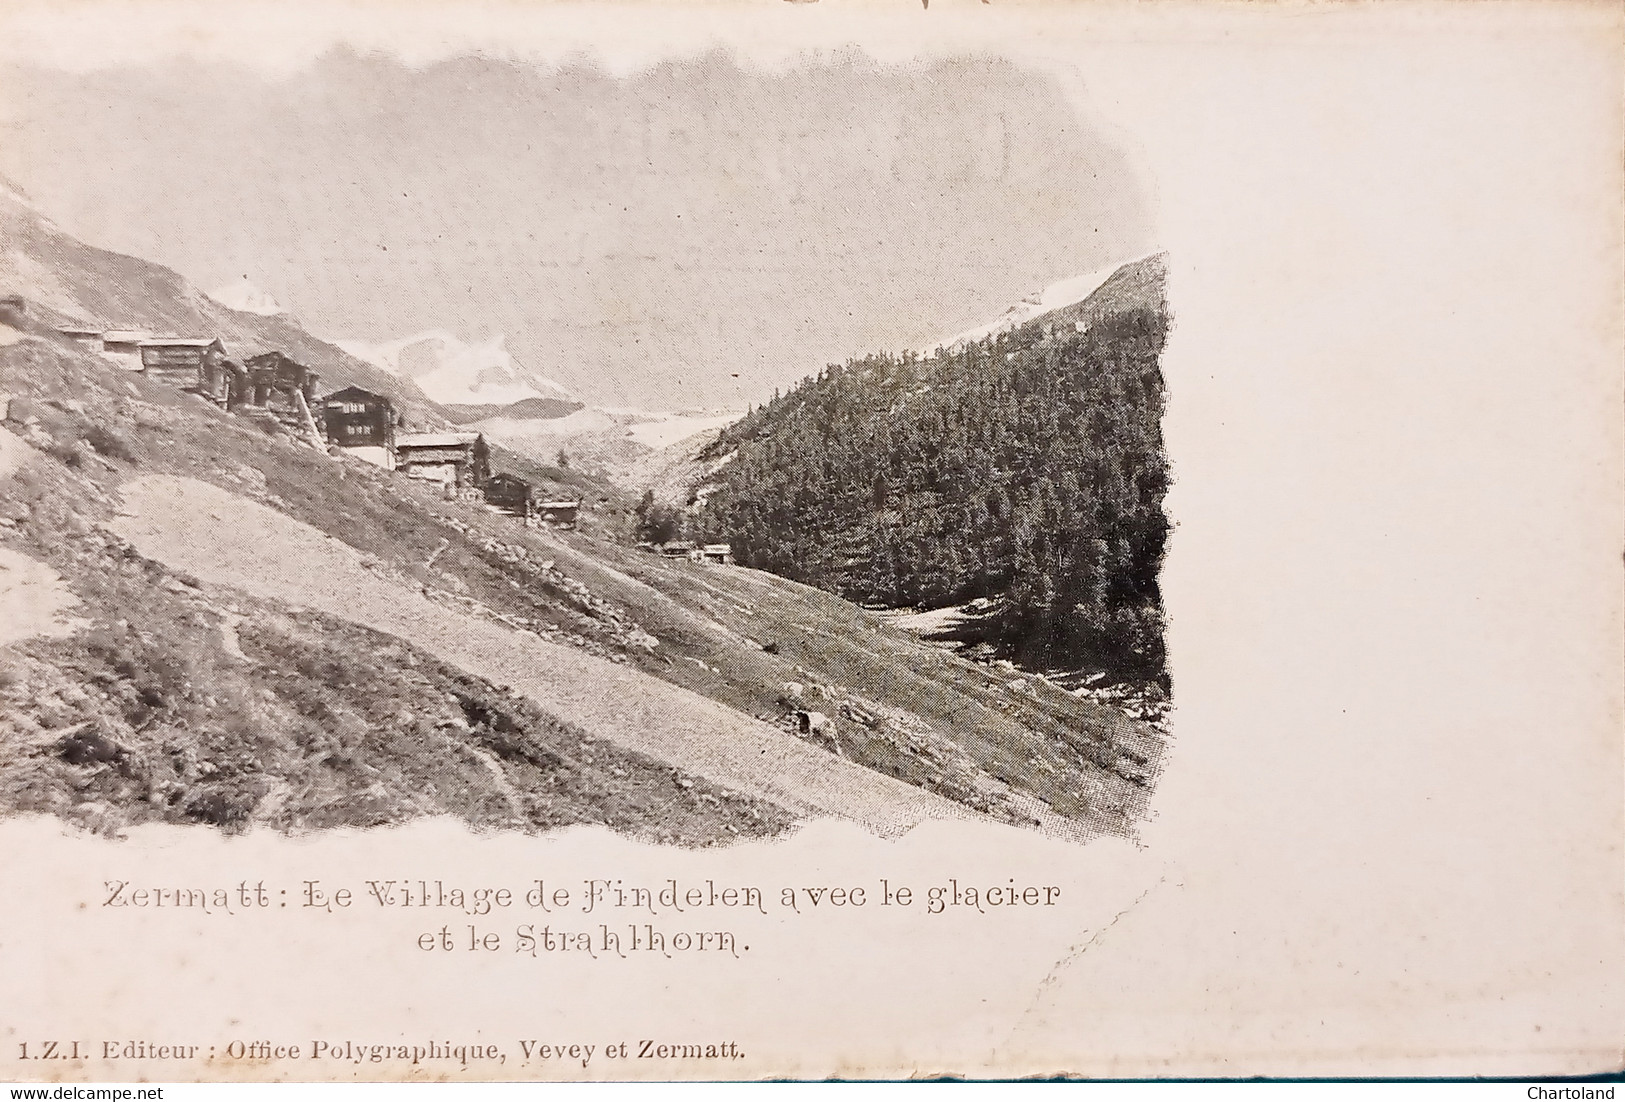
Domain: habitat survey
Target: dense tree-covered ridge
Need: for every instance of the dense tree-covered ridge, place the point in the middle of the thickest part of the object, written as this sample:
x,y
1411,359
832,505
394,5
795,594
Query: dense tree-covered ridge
x,y
1028,467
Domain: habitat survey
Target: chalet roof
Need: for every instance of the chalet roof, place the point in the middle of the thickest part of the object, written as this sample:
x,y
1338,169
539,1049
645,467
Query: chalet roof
x,y
125,336
435,439
80,329
180,342
558,505
718,549
357,392
277,357
506,477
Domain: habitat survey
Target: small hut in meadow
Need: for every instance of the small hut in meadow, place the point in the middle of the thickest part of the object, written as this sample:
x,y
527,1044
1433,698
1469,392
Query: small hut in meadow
x,y
197,365
458,460
510,494
123,347
558,514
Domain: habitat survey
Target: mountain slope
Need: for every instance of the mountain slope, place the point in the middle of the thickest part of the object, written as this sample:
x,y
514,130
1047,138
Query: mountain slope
x,y
66,282
270,555
241,688
1026,467
680,467
169,698
112,291
1080,299
221,659
1139,285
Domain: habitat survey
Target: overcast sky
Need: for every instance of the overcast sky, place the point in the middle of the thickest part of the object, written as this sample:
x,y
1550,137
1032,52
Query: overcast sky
x,y
648,228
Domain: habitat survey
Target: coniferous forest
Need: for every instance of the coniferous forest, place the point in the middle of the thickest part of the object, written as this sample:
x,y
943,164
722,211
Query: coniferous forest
x,y
1027,468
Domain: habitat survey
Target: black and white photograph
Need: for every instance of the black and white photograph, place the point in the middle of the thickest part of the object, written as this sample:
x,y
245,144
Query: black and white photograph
x,y
538,445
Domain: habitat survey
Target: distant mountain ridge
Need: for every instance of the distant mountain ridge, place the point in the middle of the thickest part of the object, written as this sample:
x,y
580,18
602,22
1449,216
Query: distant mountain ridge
x,y
1079,299
526,409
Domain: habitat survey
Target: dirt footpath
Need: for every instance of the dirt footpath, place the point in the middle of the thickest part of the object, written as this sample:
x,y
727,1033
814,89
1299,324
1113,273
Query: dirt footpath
x,y
229,540
33,598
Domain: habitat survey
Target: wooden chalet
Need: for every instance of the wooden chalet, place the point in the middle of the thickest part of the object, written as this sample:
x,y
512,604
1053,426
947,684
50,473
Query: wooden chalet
x,y
508,493
281,384
719,553
362,423
124,346
677,549
197,365
286,389
558,514
459,460
87,337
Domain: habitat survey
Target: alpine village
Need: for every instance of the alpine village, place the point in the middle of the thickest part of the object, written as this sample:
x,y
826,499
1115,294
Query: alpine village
x,y
262,583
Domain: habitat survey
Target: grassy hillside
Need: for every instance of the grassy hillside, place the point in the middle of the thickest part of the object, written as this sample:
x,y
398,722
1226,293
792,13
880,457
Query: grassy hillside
x,y
180,700
66,281
174,701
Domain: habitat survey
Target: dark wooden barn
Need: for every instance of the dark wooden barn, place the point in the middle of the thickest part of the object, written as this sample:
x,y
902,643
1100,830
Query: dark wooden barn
x,y
280,383
557,514
508,493
15,312
124,345
460,460
286,389
356,418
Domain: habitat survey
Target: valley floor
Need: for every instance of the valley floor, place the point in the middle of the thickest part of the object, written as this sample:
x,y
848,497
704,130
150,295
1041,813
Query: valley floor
x,y
945,627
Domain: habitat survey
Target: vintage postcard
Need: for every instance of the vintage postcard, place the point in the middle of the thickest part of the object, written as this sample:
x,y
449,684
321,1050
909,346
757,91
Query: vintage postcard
x,y
810,538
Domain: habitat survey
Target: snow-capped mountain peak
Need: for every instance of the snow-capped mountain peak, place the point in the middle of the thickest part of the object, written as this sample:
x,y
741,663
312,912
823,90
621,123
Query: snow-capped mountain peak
x,y
1057,295
247,298
452,371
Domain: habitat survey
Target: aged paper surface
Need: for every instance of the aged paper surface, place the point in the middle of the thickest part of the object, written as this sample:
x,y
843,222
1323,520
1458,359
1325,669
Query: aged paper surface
x,y
1378,832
